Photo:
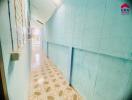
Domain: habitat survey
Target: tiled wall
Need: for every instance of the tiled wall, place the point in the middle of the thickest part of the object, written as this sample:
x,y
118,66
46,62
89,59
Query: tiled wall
x,y
101,38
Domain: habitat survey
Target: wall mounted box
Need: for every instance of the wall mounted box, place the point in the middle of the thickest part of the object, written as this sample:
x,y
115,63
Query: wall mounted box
x,y
15,56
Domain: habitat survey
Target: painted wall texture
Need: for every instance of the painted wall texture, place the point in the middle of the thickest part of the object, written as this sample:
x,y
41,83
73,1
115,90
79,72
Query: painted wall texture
x,y
17,72
63,57
102,40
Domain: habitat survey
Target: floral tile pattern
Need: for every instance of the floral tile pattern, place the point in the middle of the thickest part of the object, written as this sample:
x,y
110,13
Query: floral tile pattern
x,y
48,83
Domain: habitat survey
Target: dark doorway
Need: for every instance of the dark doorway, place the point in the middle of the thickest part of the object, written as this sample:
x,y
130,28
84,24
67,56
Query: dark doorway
x,y
3,88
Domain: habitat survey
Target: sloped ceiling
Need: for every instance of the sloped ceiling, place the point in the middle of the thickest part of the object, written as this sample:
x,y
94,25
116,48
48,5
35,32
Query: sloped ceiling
x,y
42,10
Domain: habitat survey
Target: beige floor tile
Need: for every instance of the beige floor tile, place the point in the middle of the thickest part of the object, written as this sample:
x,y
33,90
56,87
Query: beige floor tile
x,y
46,81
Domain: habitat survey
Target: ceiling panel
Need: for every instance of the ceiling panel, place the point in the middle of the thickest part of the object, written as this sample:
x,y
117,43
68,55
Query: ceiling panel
x,y
42,9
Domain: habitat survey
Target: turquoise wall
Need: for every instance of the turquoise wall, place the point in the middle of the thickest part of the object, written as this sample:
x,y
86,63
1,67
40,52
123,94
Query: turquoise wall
x,y
62,60
16,72
101,39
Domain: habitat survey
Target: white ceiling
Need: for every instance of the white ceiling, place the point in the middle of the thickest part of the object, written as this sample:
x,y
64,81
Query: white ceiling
x,y
42,10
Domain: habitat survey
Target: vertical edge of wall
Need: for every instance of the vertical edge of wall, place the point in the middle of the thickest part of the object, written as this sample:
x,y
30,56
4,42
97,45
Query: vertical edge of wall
x,y
2,69
47,49
71,65
9,14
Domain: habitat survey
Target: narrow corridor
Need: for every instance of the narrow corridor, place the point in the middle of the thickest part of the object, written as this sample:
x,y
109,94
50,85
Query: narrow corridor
x,y
47,82
45,45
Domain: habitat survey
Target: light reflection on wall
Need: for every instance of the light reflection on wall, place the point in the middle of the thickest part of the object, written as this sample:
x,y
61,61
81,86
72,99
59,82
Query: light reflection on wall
x,y
57,2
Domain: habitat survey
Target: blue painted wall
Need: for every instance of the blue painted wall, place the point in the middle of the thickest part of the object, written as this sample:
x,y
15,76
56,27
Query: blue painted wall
x,y
102,40
62,60
16,72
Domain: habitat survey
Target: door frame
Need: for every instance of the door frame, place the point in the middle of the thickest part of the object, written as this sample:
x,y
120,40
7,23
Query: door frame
x,y
2,72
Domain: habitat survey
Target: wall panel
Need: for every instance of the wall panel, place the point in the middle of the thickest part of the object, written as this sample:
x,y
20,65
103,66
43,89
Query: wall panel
x,y
60,55
101,77
85,65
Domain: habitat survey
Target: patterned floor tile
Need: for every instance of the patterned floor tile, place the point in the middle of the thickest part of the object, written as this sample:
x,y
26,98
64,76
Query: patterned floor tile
x,y
47,82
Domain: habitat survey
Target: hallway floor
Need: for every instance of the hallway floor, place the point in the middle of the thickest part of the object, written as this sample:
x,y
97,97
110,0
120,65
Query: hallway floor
x,y
47,82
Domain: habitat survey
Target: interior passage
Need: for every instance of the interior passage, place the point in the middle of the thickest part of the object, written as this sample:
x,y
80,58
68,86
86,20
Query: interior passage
x,y
47,82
